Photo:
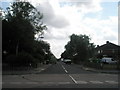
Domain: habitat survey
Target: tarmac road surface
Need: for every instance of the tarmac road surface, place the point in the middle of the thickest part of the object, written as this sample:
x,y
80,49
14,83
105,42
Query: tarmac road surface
x,y
61,75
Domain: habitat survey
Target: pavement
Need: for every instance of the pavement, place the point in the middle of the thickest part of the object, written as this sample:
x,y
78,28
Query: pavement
x,y
101,70
24,72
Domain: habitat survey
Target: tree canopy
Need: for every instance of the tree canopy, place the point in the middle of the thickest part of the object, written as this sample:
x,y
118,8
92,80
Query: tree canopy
x,y
78,48
21,23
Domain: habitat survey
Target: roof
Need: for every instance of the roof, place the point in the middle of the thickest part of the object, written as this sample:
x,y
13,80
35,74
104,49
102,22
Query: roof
x,y
108,45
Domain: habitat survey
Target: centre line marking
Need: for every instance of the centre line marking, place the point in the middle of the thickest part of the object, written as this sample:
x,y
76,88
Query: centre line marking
x,y
70,75
64,69
73,79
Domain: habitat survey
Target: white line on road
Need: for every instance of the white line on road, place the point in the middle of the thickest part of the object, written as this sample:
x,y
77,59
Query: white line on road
x,y
42,69
55,83
15,82
63,82
82,82
64,69
70,75
96,82
112,82
31,83
73,79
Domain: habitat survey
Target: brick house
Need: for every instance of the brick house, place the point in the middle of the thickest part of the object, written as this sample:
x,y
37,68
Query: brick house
x,y
108,50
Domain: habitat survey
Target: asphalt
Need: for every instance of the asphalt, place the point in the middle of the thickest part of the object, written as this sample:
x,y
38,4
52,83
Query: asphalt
x,y
43,67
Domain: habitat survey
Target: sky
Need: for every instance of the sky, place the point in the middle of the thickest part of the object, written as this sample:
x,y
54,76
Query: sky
x,y
96,18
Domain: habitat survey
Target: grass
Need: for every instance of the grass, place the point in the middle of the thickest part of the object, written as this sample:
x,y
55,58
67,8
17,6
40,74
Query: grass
x,y
110,66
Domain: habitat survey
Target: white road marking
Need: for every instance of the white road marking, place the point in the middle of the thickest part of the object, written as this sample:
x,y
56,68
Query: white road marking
x,y
42,69
73,79
31,82
63,82
49,83
70,75
64,69
96,82
15,82
112,82
55,82
82,82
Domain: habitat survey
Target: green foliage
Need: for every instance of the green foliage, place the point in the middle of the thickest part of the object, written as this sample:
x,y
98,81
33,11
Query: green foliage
x,y
21,23
28,12
22,59
11,59
78,48
41,51
53,59
94,60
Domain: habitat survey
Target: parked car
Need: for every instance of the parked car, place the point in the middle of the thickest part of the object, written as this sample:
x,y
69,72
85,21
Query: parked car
x,y
67,61
108,60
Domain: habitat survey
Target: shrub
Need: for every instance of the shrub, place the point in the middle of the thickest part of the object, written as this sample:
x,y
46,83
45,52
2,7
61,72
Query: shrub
x,y
24,59
94,60
53,60
11,59
39,57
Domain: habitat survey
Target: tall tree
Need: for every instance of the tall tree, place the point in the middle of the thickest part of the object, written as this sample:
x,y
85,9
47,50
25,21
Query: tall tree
x,y
20,25
78,48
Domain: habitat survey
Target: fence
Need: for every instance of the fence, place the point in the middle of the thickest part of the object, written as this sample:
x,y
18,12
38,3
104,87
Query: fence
x,y
101,65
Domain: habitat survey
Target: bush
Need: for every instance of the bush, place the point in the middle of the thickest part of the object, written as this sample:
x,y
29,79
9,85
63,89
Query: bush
x,y
93,65
22,59
25,59
11,59
39,57
94,60
53,60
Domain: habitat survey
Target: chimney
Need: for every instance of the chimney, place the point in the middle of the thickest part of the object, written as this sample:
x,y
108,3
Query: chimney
x,y
107,42
97,45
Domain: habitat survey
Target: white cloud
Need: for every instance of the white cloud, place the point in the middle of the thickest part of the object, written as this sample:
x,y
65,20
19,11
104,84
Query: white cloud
x,y
50,18
64,19
103,30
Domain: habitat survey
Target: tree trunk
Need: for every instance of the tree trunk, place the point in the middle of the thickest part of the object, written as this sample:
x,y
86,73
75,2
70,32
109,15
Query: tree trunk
x,y
17,46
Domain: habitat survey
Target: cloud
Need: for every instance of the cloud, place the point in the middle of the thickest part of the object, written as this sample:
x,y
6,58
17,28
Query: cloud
x,y
50,18
53,34
85,6
103,30
65,17
110,38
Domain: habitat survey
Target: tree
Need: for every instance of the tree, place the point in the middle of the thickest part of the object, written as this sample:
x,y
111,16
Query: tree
x,y
78,48
21,23
41,51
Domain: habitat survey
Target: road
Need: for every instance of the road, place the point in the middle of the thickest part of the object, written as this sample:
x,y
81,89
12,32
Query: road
x,y
62,75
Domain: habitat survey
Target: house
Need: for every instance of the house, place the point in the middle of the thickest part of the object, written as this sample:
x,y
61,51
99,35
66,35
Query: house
x,y
108,50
